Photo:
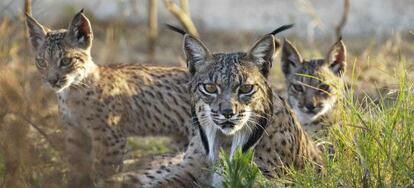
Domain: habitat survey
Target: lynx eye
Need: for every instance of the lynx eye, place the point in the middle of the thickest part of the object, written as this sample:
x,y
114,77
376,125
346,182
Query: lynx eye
x,y
297,87
324,89
67,61
246,89
41,63
209,88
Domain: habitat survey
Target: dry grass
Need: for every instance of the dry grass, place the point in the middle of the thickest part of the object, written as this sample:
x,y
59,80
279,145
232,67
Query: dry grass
x,y
31,136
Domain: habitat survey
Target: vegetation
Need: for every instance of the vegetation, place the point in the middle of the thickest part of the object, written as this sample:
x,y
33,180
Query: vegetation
x,y
239,172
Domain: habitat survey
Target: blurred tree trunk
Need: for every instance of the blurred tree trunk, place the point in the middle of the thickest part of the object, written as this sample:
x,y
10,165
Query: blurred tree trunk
x,y
182,13
28,7
152,28
134,6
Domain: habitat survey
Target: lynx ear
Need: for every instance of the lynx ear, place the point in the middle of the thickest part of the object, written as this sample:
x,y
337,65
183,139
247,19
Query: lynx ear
x,y
262,53
277,44
337,58
36,31
196,53
80,31
291,58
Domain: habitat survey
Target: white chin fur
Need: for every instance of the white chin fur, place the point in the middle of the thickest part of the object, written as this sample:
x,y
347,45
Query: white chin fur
x,y
327,107
239,139
59,90
211,134
228,131
210,129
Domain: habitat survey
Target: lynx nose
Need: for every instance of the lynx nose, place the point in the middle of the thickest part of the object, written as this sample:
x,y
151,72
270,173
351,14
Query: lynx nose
x,y
227,113
310,107
53,81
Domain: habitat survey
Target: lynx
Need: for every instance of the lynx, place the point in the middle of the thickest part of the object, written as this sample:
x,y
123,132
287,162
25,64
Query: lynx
x,y
313,86
100,106
232,106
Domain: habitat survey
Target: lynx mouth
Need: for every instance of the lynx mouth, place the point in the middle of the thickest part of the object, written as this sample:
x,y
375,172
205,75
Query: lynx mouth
x,y
227,125
60,86
313,112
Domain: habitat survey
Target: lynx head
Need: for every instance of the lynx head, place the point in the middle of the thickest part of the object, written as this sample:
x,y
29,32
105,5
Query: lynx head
x,y
230,94
62,56
313,85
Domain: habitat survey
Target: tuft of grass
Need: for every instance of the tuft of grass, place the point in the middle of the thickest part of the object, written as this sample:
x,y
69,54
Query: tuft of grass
x,y
239,171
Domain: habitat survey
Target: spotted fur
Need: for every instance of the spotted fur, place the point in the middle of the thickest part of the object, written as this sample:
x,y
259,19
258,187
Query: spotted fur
x,y
313,86
271,129
100,106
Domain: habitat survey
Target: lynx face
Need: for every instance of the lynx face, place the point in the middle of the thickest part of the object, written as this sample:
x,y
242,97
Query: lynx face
x,y
313,85
230,91
62,56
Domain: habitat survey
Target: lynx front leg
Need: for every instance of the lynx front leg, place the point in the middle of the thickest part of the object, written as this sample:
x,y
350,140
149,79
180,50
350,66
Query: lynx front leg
x,y
108,149
78,153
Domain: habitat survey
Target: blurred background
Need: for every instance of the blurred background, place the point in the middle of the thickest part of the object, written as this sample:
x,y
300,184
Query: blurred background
x,y
312,17
378,34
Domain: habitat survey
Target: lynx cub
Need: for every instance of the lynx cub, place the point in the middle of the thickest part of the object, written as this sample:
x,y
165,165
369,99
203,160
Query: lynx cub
x,y
313,86
101,105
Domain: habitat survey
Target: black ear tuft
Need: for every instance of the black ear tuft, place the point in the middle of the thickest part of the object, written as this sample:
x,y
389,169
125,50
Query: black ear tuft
x,y
36,31
262,53
176,29
196,53
281,28
80,31
337,58
278,30
291,58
